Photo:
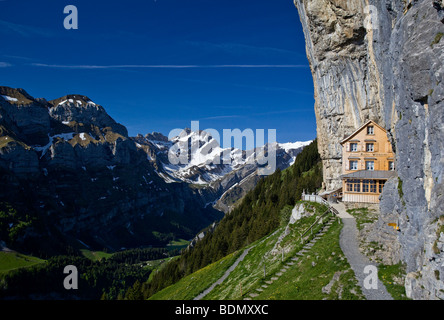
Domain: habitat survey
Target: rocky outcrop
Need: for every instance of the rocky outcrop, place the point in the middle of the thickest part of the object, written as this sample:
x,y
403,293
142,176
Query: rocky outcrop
x,y
23,112
80,110
383,61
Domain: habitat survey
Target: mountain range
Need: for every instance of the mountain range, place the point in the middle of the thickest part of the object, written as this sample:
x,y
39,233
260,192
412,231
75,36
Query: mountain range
x,y
78,180
221,183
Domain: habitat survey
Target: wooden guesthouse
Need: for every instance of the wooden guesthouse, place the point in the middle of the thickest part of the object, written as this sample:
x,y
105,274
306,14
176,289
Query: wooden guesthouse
x,y
367,163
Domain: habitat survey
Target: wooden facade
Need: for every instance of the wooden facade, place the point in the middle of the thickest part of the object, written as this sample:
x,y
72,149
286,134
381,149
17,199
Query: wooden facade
x,y
367,163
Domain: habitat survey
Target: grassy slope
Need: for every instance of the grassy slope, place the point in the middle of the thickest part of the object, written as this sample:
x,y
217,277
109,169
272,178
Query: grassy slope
x,y
177,244
248,273
13,260
157,265
301,281
306,279
192,285
95,255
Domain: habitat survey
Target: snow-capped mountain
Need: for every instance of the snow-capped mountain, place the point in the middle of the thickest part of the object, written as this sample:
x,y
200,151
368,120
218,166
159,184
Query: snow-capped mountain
x,y
208,161
198,159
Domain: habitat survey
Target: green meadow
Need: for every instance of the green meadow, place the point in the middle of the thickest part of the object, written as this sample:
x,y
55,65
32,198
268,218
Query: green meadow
x,y
13,260
192,285
322,273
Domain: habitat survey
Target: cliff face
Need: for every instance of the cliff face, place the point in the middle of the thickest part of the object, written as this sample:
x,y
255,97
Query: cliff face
x,y
383,60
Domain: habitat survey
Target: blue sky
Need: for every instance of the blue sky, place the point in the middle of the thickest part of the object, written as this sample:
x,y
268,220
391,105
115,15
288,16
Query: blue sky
x,y
156,65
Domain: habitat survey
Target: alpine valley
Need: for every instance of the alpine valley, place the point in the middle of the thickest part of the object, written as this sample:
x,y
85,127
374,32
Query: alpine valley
x,y
76,189
76,180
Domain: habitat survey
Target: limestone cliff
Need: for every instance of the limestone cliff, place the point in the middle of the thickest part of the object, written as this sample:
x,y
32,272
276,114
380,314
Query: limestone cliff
x,y
383,60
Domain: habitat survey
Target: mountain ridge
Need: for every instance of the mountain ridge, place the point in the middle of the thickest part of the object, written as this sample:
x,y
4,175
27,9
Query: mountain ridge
x,y
79,175
215,182
70,166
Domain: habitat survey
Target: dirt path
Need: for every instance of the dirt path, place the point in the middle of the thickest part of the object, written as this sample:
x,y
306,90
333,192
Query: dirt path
x,y
233,266
350,246
226,274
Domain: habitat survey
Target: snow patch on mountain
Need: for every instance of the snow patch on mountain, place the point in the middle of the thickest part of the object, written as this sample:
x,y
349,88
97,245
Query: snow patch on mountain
x,y
294,145
8,98
43,149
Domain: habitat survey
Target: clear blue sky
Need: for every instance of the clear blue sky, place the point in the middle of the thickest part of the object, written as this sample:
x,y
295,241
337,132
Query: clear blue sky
x,y
156,65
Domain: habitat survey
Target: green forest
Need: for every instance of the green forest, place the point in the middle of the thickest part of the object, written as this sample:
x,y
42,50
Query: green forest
x,y
108,278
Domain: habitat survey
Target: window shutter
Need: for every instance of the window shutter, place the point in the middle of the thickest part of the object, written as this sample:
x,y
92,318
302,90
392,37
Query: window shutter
x,y
348,147
358,147
376,147
376,165
347,165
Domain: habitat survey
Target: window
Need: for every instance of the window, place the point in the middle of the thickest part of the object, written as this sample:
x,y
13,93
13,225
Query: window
x,y
370,147
370,165
370,130
354,165
349,185
391,166
373,186
353,147
369,186
365,185
356,186
381,185
353,185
